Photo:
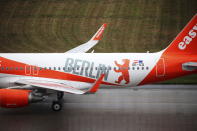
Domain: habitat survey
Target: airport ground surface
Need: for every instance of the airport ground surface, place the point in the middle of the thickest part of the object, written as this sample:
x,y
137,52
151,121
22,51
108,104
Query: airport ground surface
x,y
151,108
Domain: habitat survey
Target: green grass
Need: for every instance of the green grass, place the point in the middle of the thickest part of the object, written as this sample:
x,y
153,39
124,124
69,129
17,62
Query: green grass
x,y
190,79
59,25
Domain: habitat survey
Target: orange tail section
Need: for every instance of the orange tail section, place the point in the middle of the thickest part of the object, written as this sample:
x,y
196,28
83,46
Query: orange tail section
x,y
179,58
186,41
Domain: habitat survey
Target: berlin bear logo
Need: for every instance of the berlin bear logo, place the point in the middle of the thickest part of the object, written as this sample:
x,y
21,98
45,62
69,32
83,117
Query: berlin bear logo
x,y
124,70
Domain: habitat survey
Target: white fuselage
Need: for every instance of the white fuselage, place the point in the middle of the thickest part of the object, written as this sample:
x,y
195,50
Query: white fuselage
x,y
88,65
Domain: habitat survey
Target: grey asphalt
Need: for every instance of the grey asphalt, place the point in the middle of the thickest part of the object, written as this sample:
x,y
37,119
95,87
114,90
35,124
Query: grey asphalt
x,y
151,108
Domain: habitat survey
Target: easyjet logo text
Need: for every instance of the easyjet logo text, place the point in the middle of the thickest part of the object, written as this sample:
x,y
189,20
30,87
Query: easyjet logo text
x,y
188,39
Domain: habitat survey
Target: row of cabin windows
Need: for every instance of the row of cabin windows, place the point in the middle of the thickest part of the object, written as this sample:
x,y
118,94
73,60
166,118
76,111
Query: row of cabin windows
x,y
70,68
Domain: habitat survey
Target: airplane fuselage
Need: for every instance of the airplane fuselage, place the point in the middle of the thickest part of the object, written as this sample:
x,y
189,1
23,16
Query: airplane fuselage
x,y
120,69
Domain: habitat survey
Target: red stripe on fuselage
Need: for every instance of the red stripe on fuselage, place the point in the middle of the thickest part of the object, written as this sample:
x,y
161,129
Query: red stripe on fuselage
x,y
51,74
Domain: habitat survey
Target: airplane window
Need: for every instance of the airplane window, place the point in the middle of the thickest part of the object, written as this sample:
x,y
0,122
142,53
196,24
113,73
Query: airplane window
x,y
7,68
138,68
45,68
40,68
142,68
21,68
16,68
147,68
64,68
59,68
54,68
133,68
2,68
49,68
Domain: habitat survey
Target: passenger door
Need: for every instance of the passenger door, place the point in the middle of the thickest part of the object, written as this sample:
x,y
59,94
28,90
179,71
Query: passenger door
x,y
160,68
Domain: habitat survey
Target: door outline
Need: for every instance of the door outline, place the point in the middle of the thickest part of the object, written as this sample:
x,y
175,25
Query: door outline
x,y
31,70
163,68
27,70
35,70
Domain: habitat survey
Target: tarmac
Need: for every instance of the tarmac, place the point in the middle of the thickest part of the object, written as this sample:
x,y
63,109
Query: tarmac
x,y
146,108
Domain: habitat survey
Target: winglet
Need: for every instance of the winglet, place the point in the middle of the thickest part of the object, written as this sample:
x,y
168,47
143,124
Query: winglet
x,y
95,87
99,33
91,43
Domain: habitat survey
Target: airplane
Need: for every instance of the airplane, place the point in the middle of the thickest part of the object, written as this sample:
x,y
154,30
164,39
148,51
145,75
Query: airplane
x,y
27,78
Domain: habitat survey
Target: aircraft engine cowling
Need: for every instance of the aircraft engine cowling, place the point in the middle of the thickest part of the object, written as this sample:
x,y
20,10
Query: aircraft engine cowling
x,y
13,98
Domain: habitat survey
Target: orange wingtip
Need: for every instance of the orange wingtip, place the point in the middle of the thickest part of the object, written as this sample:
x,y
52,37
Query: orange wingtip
x,y
100,32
